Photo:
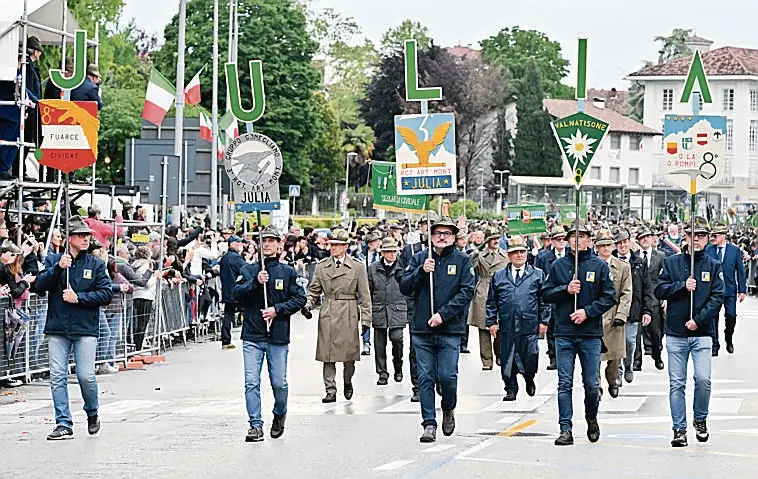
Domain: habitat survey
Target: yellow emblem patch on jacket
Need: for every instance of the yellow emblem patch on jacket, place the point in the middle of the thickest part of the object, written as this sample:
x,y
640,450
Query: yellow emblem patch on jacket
x,y
590,277
279,284
87,274
451,269
705,276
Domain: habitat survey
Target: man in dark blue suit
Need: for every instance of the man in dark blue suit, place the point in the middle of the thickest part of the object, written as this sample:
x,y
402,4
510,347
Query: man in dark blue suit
x,y
733,269
89,90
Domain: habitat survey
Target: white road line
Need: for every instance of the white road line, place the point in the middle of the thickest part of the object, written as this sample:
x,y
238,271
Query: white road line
x,y
622,421
439,448
725,405
550,389
391,466
23,406
753,432
122,407
510,419
620,404
479,447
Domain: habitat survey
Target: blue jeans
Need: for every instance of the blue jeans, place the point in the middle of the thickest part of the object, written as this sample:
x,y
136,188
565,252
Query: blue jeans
x,y
437,360
113,319
566,351
59,348
104,339
276,362
366,336
679,351
631,345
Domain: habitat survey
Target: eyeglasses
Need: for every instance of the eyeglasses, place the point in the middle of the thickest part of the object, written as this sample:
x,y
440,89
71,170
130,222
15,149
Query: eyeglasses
x,y
442,234
81,235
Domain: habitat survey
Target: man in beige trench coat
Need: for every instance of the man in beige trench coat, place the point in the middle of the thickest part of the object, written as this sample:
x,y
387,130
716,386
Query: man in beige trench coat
x,y
346,306
487,260
614,320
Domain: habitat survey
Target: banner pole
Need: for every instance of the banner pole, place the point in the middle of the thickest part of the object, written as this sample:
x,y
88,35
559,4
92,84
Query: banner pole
x,y
576,244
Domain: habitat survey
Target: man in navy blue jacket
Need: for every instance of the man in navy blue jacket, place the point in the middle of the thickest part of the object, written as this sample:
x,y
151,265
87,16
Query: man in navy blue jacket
x,y
78,285
231,265
735,287
580,302
688,328
266,331
436,332
89,90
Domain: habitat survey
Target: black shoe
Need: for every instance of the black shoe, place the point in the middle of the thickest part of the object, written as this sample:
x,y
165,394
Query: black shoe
x,y
277,426
680,439
448,422
613,391
465,350
552,366
487,368
60,433
701,431
593,430
93,424
637,368
382,381
565,439
659,364
415,398
629,375
531,388
730,348
366,350
430,434
254,434
399,377
509,396
714,353
348,391
330,397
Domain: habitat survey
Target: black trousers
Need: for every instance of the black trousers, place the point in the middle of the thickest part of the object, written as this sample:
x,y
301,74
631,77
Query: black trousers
x,y
412,360
651,337
143,308
230,309
380,350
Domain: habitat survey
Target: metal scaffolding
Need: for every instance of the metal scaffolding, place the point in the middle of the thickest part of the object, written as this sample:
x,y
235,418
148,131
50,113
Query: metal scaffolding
x,y
20,189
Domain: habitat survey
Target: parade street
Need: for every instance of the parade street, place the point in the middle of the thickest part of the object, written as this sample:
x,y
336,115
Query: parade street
x,y
186,418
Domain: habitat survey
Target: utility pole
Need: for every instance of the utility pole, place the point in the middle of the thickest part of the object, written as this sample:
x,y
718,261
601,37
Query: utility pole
x,y
214,122
500,191
179,120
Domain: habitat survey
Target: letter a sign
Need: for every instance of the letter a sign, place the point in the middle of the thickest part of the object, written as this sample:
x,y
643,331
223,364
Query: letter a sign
x,y
696,72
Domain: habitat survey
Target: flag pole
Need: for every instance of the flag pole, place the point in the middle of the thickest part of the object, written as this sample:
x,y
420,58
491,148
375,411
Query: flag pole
x,y
214,121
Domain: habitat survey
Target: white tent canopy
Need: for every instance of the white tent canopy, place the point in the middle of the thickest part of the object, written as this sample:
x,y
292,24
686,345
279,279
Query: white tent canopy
x,y
42,12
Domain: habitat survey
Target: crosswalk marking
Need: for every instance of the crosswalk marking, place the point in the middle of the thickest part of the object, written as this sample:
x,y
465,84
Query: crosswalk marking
x,y
23,406
725,405
391,466
620,404
439,448
521,404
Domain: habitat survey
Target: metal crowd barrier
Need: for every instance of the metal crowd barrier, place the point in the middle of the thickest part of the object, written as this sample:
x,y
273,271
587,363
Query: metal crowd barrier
x,y
24,350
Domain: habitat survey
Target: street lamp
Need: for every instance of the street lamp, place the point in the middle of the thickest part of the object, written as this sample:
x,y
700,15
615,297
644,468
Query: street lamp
x,y
463,184
481,189
350,157
500,191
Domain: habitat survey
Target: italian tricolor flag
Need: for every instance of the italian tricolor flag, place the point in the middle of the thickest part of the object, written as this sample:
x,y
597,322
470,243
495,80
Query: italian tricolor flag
x,y
205,127
228,125
158,99
192,91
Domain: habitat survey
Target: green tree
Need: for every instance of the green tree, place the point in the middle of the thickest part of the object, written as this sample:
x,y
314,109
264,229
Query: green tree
x,y
512,48
537,153
501,145
394,39
675,45
273,31
324,152
636,98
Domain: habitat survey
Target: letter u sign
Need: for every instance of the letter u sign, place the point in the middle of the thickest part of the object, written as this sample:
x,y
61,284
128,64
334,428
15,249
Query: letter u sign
x,y
235,98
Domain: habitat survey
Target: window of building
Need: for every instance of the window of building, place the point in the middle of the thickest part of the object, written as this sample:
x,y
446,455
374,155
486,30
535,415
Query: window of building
x,y
634,176
635,142
663,125
729,134
753,100
615,141
668,99
728,99
753,136
615,176
595,172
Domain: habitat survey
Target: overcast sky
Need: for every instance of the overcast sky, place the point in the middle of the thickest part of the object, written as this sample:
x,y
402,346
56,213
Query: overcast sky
x,y
620,33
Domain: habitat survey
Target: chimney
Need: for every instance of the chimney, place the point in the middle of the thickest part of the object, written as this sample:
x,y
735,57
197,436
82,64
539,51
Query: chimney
x,y
660,56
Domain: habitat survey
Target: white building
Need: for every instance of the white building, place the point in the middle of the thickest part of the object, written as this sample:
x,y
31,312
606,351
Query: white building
x,y
733,78
625,155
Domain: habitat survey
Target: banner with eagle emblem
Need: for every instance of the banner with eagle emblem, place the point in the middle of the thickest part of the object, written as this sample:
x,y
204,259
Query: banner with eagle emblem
x,y
425,156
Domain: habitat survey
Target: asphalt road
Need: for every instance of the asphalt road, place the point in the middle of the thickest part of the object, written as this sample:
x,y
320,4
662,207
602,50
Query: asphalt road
x,y
186,418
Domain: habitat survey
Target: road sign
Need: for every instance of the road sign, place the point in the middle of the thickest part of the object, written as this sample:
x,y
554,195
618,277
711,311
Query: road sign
x,y
294,190
69,134
425,154
384,190
695,147
579,137
254,165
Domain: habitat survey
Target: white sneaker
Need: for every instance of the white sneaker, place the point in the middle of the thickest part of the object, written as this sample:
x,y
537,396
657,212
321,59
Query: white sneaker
x,y
13,383
111,369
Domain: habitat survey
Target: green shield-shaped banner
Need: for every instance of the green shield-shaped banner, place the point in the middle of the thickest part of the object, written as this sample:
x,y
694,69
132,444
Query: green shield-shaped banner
x,y
579,137
525,219
384,189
